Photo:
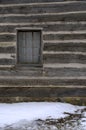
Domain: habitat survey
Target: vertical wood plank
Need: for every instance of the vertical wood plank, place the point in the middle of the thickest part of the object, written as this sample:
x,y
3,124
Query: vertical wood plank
x,y
36,55
29,47
23,48
36,39
29,55
29,39
36,47
20,39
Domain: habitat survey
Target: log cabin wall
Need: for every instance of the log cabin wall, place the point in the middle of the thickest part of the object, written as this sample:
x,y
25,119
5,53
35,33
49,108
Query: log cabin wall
x,y
63,24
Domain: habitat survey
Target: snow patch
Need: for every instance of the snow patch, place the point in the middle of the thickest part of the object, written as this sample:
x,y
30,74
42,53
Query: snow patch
x,y
19,114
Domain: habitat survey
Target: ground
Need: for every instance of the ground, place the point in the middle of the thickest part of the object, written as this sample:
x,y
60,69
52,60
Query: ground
x,y
42,116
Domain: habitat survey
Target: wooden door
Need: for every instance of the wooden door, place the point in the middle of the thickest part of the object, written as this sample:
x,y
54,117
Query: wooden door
x,y
29,47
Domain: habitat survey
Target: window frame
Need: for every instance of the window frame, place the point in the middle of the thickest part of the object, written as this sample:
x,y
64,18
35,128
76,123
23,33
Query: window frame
x,y
40,64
